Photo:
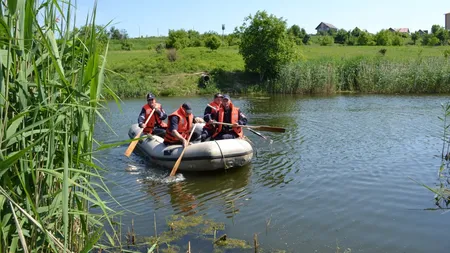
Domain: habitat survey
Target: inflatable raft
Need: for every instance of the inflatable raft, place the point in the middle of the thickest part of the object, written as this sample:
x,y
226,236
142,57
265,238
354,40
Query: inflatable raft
x,y
200,156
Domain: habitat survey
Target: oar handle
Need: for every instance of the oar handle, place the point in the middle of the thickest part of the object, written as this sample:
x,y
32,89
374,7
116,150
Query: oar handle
x,y
177,163
134,143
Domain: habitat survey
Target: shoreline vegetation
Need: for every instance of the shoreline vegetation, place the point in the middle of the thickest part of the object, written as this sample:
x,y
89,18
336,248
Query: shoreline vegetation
x,y
320,70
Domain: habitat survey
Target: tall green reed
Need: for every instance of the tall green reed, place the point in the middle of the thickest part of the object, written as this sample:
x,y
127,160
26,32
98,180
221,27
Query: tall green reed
x,y
366,74
51,84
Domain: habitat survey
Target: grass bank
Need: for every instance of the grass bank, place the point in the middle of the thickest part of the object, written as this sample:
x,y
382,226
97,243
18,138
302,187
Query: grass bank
x,y
172,73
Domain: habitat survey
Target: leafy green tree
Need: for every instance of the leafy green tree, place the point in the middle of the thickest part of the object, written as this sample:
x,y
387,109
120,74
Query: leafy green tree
x,y
383,38
364,38
298,34
415,37
265,45
442,35
306,39
232,39
397,40
426,39
331,32
435,28
195,39
356,32
341,36
178,39
295,31
326,40
116,34
213,42
433,41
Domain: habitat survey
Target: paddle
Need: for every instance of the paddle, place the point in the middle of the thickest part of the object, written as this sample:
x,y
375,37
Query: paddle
x,y
134,143
262,128
257,133
177,164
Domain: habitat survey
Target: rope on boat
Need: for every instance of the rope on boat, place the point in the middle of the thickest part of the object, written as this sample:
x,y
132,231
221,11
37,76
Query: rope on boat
x,y
223,157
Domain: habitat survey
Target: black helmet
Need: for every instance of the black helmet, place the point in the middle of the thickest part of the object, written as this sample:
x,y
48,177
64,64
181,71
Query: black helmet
x,y
150,96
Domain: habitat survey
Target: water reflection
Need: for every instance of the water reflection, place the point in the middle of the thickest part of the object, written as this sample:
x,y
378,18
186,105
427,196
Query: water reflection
x,y
340,157
228,190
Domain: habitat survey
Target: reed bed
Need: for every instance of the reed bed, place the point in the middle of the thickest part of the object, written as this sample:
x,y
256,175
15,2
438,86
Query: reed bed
x,y
365,74
51,86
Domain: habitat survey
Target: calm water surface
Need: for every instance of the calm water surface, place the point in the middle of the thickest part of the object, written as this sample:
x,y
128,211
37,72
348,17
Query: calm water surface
x,y
340,175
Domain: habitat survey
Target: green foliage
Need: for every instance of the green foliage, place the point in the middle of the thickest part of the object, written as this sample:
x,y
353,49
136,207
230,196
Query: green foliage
x,y
213,42
397,40
50,95
326,40
434,41
446,53
365,74
195,39
364,38
341,36
383,38
116,34
159,48
435,29
177,39
232,39
355,32
415,37
265,44
126,45
141,70
172,54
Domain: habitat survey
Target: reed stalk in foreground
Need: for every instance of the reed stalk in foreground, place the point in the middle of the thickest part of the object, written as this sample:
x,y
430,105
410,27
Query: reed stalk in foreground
x,y
51,83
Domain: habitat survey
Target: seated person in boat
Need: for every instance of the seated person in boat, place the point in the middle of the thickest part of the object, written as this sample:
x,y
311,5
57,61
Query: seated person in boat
x,y
210,113
179,126
230,114
155,125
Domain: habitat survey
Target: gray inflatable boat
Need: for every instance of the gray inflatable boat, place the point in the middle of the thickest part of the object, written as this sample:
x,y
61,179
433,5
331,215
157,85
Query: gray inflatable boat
x,y
200,156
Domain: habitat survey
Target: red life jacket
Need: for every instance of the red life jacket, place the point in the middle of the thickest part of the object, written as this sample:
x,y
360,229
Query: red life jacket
x,y
214,105
183,126
234,119
213,112
155,120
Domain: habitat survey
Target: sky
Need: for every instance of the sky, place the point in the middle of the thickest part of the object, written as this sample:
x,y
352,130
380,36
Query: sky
x,y
155,18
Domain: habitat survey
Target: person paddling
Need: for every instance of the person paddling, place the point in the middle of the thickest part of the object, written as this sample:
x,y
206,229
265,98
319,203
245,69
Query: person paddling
x,y
228,113
155,125
209,115
179,126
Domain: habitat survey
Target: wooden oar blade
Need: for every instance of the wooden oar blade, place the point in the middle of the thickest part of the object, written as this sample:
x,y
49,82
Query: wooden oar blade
x,y
270,129
131,148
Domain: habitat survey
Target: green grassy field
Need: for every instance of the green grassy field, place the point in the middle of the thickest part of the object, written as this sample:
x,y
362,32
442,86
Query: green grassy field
x,y
146,70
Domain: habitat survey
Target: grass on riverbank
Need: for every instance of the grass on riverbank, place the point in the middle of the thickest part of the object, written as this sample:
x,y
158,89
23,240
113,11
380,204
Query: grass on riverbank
x,y
147,70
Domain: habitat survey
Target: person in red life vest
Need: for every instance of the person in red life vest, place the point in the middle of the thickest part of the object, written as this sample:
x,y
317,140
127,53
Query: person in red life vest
x,y
228,113
179,126
210,113
155,125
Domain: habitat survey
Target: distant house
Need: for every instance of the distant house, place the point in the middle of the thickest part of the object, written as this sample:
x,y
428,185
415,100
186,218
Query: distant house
x,y
325,27
422,32
400,30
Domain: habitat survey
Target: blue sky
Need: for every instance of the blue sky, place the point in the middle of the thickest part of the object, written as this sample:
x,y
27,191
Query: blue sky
x,y
152,18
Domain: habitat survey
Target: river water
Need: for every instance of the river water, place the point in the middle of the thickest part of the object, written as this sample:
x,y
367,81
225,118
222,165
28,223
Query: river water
x,y
340,177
